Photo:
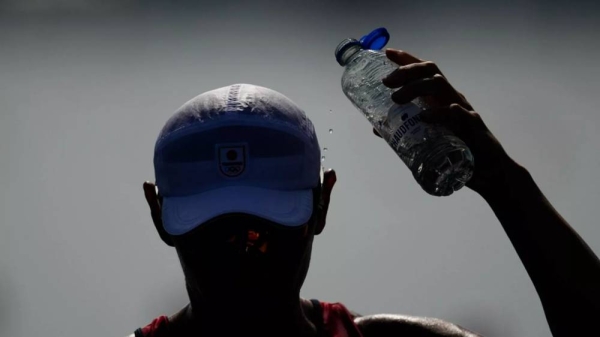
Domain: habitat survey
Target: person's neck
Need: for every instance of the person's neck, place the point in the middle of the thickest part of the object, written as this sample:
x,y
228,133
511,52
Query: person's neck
x,y
291,319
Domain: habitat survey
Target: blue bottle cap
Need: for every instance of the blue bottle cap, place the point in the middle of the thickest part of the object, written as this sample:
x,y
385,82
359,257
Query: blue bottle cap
x,y
376,39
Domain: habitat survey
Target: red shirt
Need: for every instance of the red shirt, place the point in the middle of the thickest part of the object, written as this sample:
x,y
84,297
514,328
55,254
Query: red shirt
x,y
337,322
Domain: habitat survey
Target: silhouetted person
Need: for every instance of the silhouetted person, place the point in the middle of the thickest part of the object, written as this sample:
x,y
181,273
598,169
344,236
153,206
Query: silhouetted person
x,y
240,195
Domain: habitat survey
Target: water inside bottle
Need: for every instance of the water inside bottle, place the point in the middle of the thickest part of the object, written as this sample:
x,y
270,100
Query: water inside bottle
x,y
445,162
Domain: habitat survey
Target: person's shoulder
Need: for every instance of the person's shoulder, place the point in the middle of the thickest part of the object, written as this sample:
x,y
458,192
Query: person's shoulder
x,y
381,325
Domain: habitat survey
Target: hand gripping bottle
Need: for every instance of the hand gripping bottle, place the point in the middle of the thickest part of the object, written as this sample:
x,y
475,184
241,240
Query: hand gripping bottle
x,y
439,161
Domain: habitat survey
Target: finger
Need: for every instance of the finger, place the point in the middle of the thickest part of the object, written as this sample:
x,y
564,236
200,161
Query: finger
x,y
411,72
436,86
401,57
454,117
376,133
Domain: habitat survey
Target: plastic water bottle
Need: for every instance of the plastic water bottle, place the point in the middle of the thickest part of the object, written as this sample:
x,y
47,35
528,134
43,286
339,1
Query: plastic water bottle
x,y
440,162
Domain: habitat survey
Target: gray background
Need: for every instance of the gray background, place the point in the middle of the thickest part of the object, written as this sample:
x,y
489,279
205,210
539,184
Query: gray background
x,y
85,87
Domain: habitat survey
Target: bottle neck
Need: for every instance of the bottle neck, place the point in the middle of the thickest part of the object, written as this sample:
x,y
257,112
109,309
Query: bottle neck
x,y
350,54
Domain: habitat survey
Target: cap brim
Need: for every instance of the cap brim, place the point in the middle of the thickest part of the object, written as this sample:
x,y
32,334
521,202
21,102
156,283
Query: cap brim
x,y
288,208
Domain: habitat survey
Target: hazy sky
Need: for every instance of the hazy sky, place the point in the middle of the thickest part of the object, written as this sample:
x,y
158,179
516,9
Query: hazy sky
x,y
85,87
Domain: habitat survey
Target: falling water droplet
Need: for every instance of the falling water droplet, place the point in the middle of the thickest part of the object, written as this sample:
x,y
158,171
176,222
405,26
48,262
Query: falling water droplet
x,y
330,111
323,158
324,149
330,131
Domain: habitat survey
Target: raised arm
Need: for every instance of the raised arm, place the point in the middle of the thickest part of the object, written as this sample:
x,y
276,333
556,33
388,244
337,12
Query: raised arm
x,y
563,269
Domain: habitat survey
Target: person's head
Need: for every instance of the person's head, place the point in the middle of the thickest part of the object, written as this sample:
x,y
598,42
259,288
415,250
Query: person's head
x,y
240,194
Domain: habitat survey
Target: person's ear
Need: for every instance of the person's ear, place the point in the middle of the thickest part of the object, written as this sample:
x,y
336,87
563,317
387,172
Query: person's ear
x,y
154,200
329,179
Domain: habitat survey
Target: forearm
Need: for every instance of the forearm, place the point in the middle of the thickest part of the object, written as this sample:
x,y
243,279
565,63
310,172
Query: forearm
x,y
563,269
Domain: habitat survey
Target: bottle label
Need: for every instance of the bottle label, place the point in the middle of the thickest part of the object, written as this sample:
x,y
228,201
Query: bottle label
x,y
405,123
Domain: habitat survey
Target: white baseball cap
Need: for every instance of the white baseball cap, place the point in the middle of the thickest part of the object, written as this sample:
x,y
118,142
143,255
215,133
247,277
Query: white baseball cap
x,y
242,148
